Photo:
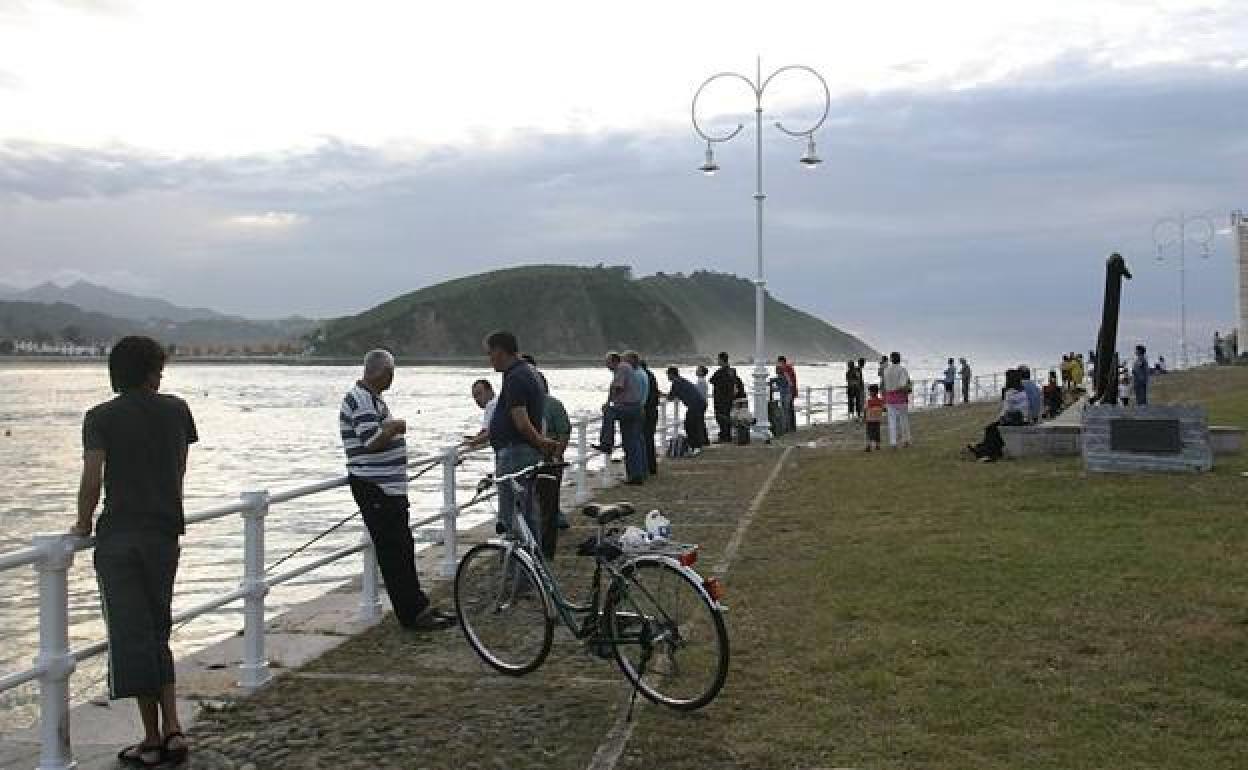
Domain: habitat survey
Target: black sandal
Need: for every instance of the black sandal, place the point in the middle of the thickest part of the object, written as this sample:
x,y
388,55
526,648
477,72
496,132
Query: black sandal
x,y
175,756
133,755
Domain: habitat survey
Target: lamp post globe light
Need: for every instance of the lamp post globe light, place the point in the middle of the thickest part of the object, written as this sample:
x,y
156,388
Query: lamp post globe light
x,y
810,159
1174,234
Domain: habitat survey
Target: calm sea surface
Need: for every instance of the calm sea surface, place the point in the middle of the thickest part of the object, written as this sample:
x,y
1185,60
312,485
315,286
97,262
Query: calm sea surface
x,y
260,427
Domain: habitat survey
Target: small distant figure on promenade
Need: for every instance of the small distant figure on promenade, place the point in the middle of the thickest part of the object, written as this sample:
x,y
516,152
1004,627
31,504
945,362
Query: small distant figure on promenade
x,y
483,394
1014,407
778,412
853,389
949,380
873,417
1160,366
623,404
790,373
515,428
1068,368
1139,375
965,371
376,450
1124,389
880,371
136,445
723,389
1035,398
695,409
1077,372
1053,399
701,384
1219,349
897,387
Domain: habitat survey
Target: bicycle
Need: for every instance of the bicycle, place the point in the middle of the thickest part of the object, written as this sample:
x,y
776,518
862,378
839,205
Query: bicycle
x,y
650,611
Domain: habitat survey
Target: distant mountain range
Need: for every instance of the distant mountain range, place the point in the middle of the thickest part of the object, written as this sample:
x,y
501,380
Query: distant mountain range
x,y
577,312
84,313
556,311
101,299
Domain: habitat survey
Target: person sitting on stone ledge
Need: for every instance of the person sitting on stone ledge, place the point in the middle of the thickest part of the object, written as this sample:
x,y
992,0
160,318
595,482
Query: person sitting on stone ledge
x,y
1014,408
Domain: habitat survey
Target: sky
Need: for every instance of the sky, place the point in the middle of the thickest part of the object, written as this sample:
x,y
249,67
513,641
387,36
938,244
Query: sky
x,y
981,159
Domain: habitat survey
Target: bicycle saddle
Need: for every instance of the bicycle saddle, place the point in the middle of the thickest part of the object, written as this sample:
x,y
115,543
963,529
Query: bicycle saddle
x,y
607,512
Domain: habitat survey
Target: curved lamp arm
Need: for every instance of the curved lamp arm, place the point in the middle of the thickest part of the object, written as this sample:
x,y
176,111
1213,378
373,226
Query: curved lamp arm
x,y
693,109
827,98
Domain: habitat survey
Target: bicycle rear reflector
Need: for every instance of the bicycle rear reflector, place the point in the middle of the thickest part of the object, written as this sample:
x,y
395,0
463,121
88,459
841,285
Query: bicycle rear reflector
x,y
689,558
714,588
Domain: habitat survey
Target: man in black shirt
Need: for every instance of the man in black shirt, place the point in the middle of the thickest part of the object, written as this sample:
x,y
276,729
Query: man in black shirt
x,y
514,435
723,388
136,446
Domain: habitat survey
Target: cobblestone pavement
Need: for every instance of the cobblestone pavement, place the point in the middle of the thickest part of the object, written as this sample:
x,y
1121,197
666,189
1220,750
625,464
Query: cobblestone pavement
x,y
391,698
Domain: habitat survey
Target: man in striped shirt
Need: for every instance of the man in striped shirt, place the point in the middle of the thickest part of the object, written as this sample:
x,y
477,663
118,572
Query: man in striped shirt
x,y
377,471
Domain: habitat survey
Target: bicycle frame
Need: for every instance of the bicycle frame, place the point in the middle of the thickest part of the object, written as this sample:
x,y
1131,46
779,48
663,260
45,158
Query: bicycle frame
x,y
580,620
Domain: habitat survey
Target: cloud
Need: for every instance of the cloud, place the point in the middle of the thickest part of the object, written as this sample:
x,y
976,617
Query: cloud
x,y
267,221
982,215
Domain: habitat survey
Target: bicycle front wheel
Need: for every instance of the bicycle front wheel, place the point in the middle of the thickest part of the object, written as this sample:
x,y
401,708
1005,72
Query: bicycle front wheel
x,y
503,610
669,638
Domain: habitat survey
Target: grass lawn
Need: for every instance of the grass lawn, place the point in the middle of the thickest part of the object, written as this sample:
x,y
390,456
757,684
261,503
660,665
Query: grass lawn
x,y
913,609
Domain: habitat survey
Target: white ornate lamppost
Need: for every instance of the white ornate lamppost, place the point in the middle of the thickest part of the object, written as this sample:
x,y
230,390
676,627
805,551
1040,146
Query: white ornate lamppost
x,y
1175,233
758,87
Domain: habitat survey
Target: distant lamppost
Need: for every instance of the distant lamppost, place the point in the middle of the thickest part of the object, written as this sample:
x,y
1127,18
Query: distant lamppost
x,y
1175,233
758,86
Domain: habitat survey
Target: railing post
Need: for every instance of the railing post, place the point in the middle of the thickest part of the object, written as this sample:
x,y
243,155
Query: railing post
x,y
450,510
54,662
254,669
806,406
582,459
370,594
831,397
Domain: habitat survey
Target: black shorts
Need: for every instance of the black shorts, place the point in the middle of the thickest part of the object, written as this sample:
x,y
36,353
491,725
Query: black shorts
x,y
135,571
873,432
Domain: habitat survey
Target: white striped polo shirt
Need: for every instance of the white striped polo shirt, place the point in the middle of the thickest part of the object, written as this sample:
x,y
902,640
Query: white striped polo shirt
x,y
359,420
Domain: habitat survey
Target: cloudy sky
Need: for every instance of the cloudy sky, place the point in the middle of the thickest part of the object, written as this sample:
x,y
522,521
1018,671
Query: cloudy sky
x,y
981,158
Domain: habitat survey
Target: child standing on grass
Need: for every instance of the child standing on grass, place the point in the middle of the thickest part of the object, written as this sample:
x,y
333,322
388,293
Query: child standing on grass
x,y
874,415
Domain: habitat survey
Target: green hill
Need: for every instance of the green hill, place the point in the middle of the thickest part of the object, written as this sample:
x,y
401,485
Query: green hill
x,y
577,312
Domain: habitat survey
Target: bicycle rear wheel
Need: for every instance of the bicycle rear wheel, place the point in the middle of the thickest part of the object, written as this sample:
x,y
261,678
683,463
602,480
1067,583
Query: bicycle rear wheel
x,y
503,609
669,638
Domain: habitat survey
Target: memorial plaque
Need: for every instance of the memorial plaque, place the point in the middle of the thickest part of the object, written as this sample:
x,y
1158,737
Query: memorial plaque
x,y
1145,436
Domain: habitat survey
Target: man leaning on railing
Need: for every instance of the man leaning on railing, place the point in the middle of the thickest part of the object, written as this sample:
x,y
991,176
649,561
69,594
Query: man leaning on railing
x,y
377,471
135,445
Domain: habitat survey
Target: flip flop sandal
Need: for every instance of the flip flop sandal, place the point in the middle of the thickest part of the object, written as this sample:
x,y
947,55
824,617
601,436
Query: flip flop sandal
x,y
176,755
133,755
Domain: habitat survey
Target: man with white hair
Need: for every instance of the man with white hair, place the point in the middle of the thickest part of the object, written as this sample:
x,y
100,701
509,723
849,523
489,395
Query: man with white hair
x,y
377,470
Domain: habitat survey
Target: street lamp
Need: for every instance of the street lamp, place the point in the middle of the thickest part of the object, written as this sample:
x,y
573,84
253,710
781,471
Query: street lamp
x,y
1172,232
758,86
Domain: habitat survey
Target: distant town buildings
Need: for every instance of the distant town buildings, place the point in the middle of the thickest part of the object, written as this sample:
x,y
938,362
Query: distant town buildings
x,y
32,348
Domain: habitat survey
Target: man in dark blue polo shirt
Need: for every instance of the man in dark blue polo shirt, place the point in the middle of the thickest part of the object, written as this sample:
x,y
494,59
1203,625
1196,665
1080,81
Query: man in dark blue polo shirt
x,y
514,435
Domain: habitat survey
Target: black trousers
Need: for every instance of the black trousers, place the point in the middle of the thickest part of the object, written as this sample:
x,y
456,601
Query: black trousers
x,y
854,397
723,417
387,518
966,391
135,571
546,488
650,424
695,427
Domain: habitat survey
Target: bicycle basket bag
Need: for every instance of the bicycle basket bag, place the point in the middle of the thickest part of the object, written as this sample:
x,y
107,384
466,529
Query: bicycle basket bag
x,y
677,446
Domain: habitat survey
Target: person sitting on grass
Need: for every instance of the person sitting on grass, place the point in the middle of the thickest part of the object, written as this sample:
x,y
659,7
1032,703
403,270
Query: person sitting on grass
x,y
1014,406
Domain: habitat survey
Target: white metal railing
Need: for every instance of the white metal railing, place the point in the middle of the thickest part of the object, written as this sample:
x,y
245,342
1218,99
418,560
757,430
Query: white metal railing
x,y
51,555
